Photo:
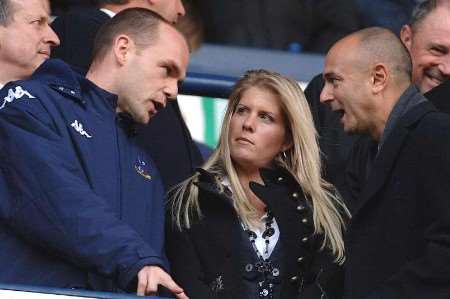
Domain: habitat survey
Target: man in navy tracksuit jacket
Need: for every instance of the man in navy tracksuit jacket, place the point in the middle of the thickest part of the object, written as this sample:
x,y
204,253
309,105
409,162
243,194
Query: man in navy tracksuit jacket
x,y
82,205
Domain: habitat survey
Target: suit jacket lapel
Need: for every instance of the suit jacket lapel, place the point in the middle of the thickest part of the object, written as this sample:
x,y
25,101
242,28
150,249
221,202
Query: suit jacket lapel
x,y
389,152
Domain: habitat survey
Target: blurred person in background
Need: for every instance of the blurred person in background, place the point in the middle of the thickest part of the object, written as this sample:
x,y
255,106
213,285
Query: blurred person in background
x,y
390,14
427,38
258,220
307,25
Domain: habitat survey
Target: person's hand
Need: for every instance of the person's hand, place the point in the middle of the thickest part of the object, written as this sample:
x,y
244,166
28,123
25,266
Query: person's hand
x,y
150,277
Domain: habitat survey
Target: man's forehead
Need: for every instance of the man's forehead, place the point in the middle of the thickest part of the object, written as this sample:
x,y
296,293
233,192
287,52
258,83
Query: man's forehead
x,y
438,19
31,7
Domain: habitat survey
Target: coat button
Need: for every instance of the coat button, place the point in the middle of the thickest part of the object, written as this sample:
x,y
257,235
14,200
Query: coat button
x,y
304,220
293,279
300,208
275,272
280,179
295,195
304,239
300,260
248,268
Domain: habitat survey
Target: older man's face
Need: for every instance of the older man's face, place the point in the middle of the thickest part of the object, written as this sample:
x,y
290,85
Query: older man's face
x,y
429,47
170,10
26,41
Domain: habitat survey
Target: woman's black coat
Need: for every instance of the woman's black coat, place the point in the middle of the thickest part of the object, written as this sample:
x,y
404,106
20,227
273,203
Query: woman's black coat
x,y
205,259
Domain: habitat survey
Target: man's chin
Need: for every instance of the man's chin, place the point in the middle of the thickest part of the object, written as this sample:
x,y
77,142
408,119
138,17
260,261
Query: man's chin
x,y
427,84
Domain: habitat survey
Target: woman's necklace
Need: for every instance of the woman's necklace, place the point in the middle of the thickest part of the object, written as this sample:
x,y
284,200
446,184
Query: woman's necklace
x,y
264,266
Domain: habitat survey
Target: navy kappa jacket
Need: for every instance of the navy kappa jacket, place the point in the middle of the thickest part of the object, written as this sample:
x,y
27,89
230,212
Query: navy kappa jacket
x,y
81,204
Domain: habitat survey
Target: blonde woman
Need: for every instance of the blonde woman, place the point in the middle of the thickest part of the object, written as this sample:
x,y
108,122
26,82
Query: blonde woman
x,y
258,220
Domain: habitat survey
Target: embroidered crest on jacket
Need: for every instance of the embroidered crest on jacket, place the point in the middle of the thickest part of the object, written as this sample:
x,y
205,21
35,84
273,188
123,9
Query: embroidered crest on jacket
x,y
141,167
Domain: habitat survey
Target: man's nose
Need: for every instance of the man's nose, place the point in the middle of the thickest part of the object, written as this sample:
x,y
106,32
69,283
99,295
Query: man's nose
x,y
325,95
171,89
181,11
51,37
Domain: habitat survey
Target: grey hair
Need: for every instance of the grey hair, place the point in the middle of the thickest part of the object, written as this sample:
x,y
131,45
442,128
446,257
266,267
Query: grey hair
x,y
6,12
423,9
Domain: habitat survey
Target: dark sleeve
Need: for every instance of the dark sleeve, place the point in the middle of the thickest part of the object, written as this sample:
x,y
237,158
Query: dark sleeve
x,y
50,203
428,275
439,96
184,262
312,94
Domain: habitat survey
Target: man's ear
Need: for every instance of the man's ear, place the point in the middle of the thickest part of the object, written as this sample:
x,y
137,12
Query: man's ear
x,y
122,47
380,75
406,36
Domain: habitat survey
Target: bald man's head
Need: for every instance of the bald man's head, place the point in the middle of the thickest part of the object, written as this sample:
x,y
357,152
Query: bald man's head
x,y
365,73
371,46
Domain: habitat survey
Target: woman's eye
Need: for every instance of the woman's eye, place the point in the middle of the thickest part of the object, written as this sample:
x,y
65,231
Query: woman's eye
x,y
266,117
240,110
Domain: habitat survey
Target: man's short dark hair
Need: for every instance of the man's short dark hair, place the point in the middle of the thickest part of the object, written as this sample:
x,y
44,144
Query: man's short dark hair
x,y
140,24
6,12
423,9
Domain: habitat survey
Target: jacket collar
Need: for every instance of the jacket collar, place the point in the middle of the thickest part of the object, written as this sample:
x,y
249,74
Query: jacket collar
x,y
391,150
207,182
69,81
60,76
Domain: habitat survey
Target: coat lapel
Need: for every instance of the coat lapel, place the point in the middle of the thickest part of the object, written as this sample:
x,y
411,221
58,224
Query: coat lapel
x,y
382,166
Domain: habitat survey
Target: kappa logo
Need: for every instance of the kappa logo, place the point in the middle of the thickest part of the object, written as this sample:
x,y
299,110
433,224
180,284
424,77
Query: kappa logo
x,y
16,94
142,168
79,128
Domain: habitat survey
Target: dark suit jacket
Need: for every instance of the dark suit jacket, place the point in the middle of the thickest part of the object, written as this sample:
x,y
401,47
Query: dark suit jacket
x,y
210,249
398,241
77,32
166,137
440,96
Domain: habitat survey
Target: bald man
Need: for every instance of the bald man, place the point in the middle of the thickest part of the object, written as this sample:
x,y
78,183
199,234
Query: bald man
x,y
398,241
427,38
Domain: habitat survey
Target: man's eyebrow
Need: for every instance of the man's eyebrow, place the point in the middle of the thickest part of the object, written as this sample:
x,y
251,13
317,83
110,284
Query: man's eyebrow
x,y
328,75
440,47
175,70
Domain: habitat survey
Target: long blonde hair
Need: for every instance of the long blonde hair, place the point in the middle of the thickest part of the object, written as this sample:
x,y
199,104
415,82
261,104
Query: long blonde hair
x,y
302,160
